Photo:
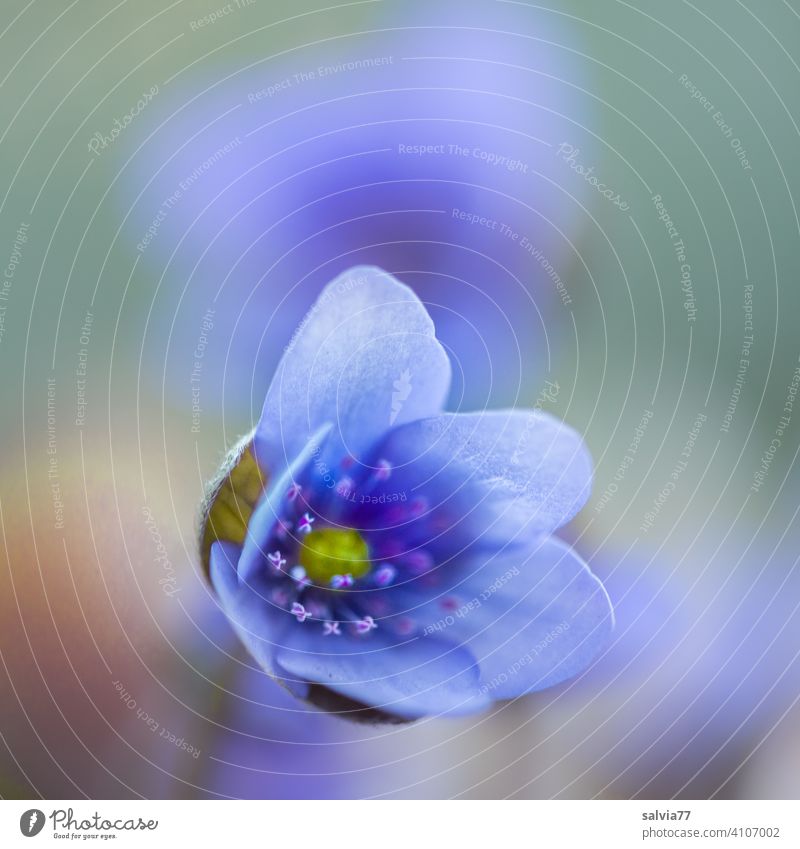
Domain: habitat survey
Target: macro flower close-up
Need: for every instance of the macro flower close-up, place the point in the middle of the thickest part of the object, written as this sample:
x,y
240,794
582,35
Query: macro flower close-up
x,y
385,559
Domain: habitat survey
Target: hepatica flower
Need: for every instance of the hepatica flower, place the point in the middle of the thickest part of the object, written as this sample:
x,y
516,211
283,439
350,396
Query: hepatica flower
x,y
382,557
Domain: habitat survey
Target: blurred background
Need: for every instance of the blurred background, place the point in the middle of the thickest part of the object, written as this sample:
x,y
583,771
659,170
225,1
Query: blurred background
x,y
600,198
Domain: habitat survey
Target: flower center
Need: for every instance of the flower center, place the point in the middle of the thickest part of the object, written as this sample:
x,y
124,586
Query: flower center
x,y
334,551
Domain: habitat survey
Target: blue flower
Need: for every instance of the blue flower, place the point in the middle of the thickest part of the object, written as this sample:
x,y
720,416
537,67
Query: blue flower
x,y
442,170
391,557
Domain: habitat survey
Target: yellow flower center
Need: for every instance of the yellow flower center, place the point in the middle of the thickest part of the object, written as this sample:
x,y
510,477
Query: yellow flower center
x,y
334,551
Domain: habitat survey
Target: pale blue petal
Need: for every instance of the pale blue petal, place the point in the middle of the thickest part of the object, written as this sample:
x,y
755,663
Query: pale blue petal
x,y
410,678
258,622
531,619
364,358
533,470
267,512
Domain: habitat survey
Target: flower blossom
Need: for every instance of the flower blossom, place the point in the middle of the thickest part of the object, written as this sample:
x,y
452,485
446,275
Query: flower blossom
x,y
378,555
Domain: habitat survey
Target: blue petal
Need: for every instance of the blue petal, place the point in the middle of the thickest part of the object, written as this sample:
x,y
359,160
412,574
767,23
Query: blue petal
x,y
365,358
533,470
268,510
547,624
259,624
416,677
531,621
